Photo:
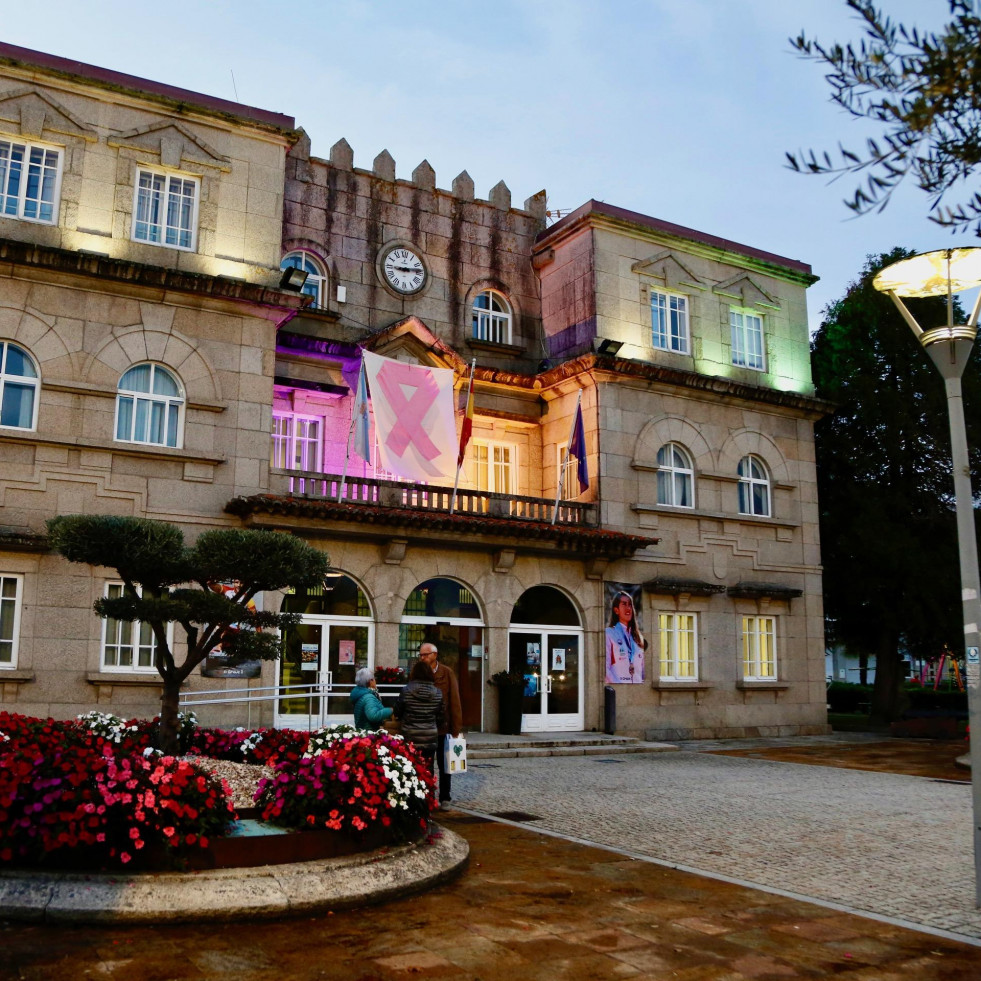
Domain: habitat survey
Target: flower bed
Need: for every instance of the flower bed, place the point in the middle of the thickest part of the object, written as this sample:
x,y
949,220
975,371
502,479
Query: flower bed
x,y
94,793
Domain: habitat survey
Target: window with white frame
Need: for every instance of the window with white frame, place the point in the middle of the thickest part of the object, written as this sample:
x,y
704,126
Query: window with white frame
x,y
11,597
297,442
495,467
759,648
316,281
30,179
679,646
675,477
127,646
568,470
746,329
491,317
149,406
754,487
19,385
165,209
669,321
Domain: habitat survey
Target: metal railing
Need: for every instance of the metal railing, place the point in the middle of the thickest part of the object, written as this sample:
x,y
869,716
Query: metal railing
x,y
375,492
189,700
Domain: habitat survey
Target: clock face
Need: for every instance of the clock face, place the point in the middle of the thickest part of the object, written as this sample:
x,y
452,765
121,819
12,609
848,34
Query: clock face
x,y
404,270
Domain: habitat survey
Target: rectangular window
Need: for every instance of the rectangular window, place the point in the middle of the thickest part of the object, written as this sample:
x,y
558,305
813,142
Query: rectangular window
x,y
11,597
127,646
165,210
29,181
496,467
759,649
747,339
678,644
669,321
297,443
567,468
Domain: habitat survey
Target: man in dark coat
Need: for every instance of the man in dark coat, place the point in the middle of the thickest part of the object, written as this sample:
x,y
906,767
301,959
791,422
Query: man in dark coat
x,y
452,715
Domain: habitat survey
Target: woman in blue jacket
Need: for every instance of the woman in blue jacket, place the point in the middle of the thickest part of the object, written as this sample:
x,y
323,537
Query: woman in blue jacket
x,y
369,713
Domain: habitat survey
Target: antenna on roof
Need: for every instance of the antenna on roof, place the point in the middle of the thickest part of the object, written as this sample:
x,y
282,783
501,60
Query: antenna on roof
x,y
234,86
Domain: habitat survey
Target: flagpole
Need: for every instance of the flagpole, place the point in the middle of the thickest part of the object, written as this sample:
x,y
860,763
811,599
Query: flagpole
x,y
347,458
463,445
558,487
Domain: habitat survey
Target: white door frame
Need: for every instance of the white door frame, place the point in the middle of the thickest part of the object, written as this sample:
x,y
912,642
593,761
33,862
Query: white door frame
x,y
327,687
543,722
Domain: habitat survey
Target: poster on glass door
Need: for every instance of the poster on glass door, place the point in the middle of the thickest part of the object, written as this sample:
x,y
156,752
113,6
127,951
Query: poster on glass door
x,y
625,643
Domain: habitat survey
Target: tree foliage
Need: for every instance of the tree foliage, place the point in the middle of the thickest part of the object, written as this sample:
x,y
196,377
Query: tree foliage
x,y
166,582
925,91
885,484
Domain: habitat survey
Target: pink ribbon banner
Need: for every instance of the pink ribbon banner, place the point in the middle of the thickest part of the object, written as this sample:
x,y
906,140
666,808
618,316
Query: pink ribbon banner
x,y
414,423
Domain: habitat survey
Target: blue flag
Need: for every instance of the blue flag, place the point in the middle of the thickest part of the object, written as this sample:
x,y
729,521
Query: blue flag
x,y
577,448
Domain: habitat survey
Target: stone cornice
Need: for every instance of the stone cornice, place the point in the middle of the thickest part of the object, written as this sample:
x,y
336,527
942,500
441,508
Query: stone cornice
x,y
28,255
421,527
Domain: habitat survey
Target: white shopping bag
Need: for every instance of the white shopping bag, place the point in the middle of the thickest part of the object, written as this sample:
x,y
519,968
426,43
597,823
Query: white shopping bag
x,y
455,755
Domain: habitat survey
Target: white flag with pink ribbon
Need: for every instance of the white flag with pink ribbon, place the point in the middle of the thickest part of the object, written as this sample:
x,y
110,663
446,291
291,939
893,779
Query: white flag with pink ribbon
x,y
414,423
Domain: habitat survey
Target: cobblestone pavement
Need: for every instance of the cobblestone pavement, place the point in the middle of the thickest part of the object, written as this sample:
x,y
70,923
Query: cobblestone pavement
x,y
893,845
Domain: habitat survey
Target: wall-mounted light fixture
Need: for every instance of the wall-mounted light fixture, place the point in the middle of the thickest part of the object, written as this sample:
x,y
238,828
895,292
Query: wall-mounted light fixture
x,y
606,345
293,279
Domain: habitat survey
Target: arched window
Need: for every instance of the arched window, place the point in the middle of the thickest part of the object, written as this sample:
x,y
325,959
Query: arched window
x,y
491,318
149,406
754,487
316,284
19,384
675,477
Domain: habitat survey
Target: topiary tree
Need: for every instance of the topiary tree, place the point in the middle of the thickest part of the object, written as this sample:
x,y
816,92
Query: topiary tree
x,y
166,581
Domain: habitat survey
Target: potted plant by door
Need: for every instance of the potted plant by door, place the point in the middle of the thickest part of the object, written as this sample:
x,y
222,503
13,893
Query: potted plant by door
x,y
510,687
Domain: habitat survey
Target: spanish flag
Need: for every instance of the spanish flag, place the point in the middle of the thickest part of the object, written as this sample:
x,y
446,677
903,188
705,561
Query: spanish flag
x,y
466,430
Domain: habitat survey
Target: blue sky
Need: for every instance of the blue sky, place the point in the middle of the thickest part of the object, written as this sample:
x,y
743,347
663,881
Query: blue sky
x,y
680,109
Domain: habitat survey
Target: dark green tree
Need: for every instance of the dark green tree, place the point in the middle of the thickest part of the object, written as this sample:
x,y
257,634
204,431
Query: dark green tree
x,y
923,90
166,581
885,485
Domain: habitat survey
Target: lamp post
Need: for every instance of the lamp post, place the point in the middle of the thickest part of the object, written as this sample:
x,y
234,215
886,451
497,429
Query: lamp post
x,y
944,273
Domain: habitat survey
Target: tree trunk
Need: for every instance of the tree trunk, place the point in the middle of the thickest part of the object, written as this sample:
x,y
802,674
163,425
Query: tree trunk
x,y
169,703
886,691
863,668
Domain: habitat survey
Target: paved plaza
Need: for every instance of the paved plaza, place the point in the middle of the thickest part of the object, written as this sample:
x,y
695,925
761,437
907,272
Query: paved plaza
x,y
892,845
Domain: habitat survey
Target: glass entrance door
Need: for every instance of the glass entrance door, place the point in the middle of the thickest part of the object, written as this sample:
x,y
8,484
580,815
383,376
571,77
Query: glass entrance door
x,y
551,663
316,672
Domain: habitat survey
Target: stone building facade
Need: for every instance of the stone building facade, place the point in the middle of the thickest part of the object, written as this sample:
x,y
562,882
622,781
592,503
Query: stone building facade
x,y
178,375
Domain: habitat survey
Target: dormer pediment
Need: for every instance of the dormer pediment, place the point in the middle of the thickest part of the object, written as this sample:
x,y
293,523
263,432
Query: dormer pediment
x,y
175,146
746,292
412,341
669,270
32,114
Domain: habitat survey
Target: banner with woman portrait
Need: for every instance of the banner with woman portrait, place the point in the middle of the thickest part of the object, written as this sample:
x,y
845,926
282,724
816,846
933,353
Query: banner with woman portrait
x,y
625,643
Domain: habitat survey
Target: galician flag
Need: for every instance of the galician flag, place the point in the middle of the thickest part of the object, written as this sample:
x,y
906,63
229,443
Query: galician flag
x,y
414,421
359,413
577,448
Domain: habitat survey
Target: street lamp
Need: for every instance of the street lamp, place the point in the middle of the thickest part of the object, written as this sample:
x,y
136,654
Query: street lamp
x,y
944,273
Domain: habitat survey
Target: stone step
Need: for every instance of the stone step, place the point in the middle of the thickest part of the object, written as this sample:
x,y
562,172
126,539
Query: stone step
x,y
553,748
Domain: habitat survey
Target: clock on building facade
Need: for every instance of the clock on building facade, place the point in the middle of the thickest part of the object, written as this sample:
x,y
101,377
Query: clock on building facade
x,y
403,270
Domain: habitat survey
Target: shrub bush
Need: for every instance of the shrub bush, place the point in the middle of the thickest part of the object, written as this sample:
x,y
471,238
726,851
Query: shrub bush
x,y
80,804
928,700
356,780
844,696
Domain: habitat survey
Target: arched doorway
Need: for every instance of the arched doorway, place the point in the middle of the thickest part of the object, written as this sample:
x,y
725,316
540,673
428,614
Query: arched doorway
x,y
322,653
545,643
445,613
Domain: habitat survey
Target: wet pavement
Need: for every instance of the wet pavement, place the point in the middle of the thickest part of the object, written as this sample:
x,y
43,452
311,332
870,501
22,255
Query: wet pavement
x,y
533,906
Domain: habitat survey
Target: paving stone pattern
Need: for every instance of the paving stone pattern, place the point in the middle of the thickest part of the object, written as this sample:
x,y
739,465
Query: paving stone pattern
x,y
894,845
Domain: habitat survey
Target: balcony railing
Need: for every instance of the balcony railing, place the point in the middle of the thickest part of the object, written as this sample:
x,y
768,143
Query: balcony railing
x,y
373,492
